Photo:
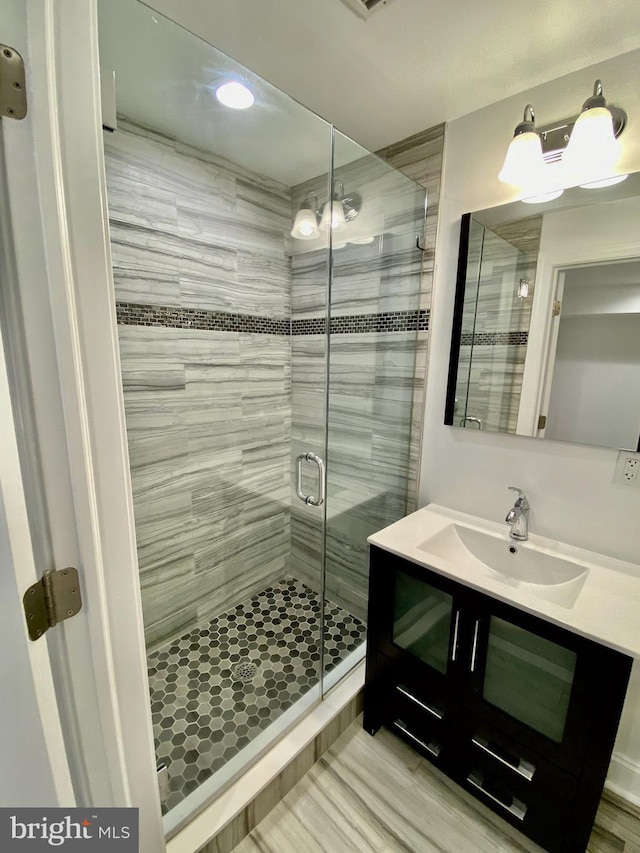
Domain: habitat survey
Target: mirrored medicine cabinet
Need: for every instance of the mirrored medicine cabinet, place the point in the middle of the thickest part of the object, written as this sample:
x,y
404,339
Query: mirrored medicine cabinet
x,y
546,329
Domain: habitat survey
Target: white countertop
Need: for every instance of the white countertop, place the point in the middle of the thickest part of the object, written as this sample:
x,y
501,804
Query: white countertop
x,y
606,608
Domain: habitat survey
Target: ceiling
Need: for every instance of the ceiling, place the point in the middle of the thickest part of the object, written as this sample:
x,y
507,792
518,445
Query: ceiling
x,y
411,65
414,63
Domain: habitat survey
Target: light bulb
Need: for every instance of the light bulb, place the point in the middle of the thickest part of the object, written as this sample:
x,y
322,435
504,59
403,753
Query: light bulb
x,y
235,95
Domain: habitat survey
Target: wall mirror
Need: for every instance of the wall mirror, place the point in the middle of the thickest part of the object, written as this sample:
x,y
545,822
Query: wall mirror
x,y
546,330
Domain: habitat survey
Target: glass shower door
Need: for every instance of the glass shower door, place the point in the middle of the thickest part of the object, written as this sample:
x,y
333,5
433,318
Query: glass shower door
x,y
224,399
375,319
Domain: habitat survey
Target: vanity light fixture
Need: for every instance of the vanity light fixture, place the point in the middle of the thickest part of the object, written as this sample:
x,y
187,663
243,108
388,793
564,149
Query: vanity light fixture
x,y
341,209
583,149
305,225
523,288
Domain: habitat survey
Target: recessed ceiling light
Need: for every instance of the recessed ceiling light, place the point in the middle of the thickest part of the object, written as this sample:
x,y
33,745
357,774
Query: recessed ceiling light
x,y
235,95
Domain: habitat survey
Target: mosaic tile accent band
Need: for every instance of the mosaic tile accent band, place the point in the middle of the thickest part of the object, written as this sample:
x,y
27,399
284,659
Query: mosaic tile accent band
x,y
135,314
350,324
494,339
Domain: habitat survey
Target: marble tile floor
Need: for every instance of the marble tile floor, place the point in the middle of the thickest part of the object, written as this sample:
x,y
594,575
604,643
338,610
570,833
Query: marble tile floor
x,y
216,688
377,795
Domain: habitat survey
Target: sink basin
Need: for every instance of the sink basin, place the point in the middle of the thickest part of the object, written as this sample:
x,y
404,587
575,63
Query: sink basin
x,y
518,564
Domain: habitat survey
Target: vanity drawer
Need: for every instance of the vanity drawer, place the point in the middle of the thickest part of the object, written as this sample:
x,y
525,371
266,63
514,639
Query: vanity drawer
x,y
527,790
421,730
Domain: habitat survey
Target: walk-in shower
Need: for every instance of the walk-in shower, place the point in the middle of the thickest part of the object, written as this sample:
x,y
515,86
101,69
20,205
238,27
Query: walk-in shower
x,y
268,385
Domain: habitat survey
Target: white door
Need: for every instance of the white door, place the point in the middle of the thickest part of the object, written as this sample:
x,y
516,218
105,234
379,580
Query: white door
x,y
34,770
61,365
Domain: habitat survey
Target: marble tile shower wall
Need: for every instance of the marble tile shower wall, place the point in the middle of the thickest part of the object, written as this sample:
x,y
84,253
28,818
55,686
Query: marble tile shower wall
x,y
372,379
207,404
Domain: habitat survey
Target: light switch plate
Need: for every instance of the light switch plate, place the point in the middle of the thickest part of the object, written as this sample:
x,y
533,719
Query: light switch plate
x,y
627,471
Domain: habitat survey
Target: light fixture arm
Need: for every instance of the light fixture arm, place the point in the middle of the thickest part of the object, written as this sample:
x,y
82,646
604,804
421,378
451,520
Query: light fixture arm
x,y
597,99
528,123
307,202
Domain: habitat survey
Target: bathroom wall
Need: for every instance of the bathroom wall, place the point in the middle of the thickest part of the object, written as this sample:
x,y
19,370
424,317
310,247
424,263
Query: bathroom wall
x,y
570,486
419,157
203,301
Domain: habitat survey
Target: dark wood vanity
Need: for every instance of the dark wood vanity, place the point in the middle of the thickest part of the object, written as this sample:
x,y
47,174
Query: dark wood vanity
x,y
519,712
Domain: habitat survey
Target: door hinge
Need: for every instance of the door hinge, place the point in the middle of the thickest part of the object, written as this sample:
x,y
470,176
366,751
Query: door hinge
x,y
52,599
542,422
163,781
557,305
13,88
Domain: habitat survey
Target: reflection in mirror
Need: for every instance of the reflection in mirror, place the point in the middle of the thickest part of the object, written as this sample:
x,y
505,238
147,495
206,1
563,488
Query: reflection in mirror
x,y
546,337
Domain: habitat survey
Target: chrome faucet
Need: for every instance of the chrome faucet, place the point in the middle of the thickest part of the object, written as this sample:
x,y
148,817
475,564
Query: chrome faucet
x,y
518,516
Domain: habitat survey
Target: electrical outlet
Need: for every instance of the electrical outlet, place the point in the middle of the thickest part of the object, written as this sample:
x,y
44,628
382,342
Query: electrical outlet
x,y
627,471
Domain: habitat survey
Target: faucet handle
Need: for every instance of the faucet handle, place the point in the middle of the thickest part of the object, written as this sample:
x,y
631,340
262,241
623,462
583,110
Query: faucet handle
x,y
521,501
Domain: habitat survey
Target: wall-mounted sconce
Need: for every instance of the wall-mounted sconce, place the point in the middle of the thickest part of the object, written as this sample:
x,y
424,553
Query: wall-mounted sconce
x,y
583,149
523,288
336,213
305,225
342,209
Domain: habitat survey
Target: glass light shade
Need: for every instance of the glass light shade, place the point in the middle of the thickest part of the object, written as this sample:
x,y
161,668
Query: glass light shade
x,y
540,198
333,217
592,149
524,162
305,225
235,95
605,182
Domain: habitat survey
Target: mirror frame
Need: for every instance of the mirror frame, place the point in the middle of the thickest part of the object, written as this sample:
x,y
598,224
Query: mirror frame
x,y
458,310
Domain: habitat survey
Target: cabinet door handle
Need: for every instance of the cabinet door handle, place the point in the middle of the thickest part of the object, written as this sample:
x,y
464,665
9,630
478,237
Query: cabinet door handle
x,y
435,712
518,765
456,628
474,649
516,807
433,748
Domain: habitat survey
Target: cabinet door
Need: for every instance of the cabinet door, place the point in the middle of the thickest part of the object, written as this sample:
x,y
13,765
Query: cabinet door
x,y
533,680
418,614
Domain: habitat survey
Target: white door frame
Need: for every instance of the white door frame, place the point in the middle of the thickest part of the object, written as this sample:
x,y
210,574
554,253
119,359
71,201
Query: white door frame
x,y
35,743
64,273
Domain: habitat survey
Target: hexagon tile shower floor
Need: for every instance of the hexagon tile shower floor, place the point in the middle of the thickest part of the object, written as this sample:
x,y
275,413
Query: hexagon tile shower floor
x,y
215,689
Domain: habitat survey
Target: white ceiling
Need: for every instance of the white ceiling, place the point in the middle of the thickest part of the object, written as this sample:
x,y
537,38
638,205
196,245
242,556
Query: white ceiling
x,y
411,65
415,63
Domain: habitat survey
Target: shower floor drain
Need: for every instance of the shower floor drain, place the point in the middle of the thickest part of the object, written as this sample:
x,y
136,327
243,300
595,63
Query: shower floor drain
x,y
244,671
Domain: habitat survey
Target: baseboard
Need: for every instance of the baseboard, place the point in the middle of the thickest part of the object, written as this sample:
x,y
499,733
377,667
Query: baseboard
x,y
624,778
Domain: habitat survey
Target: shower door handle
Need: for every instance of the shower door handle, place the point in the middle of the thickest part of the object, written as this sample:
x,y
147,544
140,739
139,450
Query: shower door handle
x,y
309,499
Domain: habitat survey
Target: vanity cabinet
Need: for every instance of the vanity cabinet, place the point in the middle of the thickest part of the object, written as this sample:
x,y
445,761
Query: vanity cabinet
x,y
519,712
